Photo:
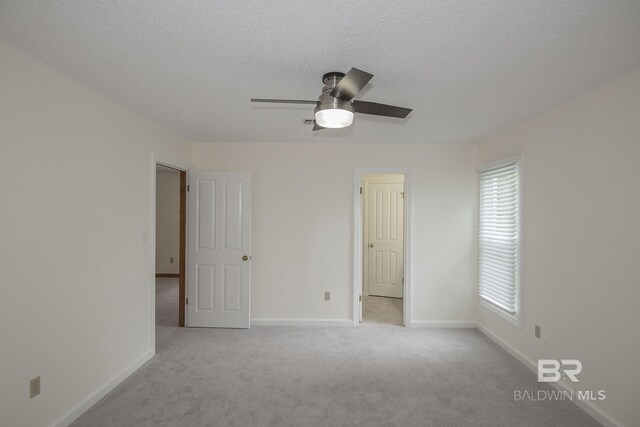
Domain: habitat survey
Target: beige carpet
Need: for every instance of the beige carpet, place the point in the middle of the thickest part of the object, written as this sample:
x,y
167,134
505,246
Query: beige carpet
x,y
166,308
382,310
379,375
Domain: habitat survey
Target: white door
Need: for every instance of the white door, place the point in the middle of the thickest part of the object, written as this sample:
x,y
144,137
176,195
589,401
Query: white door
x,y
385,245
219,249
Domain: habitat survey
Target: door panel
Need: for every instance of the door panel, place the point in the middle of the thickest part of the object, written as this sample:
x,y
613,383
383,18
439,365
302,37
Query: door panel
x,y
386,247
232,288
218,278
206,201
233,215
205,275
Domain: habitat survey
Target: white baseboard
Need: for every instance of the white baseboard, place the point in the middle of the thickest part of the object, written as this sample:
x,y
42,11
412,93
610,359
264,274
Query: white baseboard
x,y
589,407
442,324
522,358
301,322
81,407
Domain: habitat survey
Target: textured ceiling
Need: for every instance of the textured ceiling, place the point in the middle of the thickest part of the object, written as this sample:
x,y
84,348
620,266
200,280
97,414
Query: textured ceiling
x,y
467,68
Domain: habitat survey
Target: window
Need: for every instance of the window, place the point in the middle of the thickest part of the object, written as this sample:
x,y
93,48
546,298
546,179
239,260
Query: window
x,y
499,238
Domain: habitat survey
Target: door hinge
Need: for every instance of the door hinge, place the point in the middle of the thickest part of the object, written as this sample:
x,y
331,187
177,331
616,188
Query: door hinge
x,y
360,298
360,190
402,194
403,280
186,301
188,187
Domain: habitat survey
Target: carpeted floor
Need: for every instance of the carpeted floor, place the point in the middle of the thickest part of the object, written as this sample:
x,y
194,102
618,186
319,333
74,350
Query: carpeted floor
x,y
381,310
166,308
380,375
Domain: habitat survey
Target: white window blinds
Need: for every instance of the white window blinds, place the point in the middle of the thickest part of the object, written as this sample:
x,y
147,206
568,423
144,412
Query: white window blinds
x,y
499,237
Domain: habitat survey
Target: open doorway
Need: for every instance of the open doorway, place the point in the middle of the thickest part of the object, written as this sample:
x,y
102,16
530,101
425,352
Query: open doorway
x,y
383,238
382,249
170,249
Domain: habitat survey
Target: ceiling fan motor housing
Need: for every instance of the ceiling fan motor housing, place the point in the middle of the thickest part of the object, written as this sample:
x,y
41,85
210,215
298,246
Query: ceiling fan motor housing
x,y
332,112
332,78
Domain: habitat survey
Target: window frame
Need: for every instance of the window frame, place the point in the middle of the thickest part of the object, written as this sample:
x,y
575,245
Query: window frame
x,y
516,319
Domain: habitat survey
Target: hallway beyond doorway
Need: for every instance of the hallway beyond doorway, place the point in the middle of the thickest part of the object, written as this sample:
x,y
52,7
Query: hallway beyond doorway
x,y
381,310
167,289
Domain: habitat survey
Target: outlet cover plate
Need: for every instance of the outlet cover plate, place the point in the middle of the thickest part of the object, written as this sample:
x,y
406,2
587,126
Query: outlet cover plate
x,y
34,387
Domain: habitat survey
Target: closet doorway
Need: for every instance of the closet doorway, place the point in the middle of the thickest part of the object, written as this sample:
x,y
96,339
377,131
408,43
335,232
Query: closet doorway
x,y
383,248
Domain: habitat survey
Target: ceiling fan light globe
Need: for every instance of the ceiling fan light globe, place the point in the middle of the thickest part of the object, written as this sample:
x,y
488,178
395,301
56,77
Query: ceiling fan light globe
x,y
334,118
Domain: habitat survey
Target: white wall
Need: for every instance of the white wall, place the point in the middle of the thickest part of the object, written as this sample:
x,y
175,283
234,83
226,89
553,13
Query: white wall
x,y
167,222
75,299
581,189
302,226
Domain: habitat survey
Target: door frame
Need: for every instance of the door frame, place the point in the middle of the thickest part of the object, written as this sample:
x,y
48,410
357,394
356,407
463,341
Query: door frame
x,y
182,253
358,236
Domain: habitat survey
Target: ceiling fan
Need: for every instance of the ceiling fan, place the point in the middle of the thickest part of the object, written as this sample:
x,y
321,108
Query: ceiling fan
x,y
335,107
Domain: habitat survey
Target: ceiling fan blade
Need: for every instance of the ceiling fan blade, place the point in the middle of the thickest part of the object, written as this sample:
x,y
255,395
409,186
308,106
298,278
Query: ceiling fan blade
x,y
351,84
284,101
376,109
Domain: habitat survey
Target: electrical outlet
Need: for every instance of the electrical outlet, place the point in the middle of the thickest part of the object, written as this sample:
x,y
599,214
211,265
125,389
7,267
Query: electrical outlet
x,y
327,296
34,387
538,331
171,260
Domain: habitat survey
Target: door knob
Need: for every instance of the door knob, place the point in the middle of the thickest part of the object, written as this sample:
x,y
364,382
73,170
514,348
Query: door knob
x,y
245,258
370,245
